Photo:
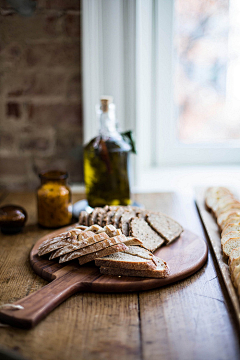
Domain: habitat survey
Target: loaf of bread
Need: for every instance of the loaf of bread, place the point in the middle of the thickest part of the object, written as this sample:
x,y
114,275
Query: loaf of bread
x,y
156,227
109,246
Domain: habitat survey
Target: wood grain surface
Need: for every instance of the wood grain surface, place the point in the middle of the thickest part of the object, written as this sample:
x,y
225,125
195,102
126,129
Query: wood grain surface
x,y
212,229
184,257
191,319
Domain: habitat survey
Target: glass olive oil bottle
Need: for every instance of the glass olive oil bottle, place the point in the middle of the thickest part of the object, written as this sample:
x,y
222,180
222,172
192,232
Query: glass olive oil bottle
x,y
106,161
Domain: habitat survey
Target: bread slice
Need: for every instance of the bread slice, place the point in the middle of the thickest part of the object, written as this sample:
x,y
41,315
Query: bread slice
x,y
65,242
108,251
230,227
140,229
161,271
231,219
116,217
94,214
229,245
229,235
140,252
83,218
130,258
93,248
73,234
82,243
165,226
213,194
124,221
222,204
225,215
225,205
234,259
122,260
108,231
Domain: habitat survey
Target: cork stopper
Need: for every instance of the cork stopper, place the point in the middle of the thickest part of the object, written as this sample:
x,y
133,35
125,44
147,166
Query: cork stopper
x,y
105,101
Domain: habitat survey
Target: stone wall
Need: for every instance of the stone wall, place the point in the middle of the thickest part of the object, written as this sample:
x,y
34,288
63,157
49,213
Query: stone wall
x,y
40,93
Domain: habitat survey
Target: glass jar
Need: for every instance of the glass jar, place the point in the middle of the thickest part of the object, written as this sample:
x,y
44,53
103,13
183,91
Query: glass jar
x,y
54,200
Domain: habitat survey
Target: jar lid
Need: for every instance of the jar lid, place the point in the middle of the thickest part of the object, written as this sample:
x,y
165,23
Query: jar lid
x,y
53,175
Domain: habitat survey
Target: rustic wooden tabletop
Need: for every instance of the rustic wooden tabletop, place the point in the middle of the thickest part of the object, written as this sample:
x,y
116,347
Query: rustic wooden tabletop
x,y
191,319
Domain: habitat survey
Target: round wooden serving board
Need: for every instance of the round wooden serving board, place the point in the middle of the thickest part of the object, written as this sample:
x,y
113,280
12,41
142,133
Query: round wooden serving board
x,y
184,256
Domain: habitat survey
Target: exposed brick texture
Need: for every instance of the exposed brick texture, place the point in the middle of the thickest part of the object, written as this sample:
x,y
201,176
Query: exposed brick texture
x,y
40,93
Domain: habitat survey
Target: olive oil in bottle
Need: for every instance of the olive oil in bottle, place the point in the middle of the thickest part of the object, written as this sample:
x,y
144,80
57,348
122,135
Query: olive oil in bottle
x,y
106,161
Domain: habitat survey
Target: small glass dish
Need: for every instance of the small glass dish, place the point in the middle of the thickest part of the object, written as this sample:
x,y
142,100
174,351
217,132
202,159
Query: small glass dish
x,y
12,219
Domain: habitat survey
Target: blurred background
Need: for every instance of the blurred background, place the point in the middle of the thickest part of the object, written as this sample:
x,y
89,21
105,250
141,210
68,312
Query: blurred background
x,y
172,66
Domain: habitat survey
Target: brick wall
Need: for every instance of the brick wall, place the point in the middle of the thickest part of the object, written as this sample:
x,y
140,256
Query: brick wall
x,y
40,93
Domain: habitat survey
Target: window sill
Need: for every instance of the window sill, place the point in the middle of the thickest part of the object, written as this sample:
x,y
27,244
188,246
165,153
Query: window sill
x,y
182,179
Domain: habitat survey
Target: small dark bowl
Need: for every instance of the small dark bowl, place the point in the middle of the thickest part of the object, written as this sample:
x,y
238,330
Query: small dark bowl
x,y
12,219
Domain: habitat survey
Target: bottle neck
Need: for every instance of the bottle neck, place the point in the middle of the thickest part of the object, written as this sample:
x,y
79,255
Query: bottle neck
x,y
108,126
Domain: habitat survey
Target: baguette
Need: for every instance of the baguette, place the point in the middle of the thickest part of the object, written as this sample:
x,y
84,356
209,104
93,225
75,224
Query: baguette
x,y
161,271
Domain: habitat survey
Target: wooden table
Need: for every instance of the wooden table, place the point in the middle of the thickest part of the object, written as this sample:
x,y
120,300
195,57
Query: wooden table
x,y
192,319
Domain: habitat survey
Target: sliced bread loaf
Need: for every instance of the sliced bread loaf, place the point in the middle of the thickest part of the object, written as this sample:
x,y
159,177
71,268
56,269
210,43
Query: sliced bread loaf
x,y
161,271
140,229
66,242
108,251
73,234
93,248
165,226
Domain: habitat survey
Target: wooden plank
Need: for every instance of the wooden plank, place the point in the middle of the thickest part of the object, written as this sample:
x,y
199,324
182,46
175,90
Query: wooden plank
x,y
192,319
214,236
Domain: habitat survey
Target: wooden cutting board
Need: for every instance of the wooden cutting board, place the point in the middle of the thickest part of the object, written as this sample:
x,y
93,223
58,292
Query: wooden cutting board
x,y
184,256
212,230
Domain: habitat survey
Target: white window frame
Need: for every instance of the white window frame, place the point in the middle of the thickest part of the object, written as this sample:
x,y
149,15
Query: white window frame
x,y
127,53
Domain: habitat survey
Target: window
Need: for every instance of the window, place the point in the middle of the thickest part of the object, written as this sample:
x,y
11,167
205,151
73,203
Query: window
x,y
173,70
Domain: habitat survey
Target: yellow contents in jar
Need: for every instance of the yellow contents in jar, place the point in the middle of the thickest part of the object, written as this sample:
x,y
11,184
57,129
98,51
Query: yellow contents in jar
x,y
54,204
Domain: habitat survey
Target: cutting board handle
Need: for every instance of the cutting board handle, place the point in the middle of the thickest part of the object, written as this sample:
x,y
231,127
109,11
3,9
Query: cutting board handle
x,y
39,304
